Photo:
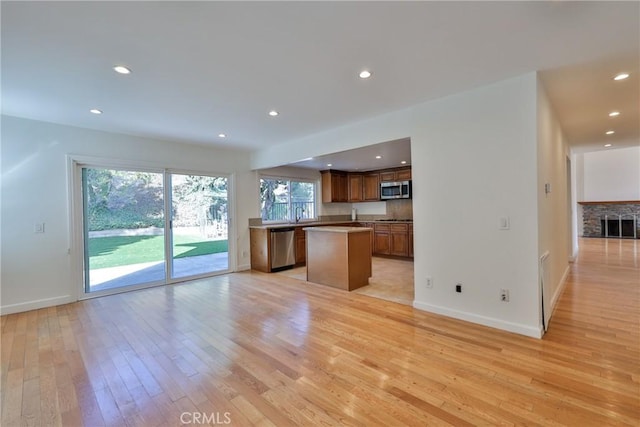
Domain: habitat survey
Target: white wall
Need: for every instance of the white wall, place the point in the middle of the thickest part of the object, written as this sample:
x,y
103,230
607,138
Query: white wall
x,y
473,160
555,221
609,175
477,154
36,268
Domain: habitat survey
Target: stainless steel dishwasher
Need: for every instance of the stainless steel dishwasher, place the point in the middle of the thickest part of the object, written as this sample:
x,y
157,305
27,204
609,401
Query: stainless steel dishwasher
x,y
283,252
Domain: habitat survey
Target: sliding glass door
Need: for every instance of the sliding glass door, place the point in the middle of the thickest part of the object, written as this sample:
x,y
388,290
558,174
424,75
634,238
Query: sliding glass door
x,y
124,225
142,228
199,225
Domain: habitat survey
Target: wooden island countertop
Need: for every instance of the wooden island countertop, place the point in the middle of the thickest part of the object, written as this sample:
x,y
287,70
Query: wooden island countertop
x,y
339,256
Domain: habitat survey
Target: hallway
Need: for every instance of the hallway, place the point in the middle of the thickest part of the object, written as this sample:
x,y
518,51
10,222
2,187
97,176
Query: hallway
x,y
602,292
598,314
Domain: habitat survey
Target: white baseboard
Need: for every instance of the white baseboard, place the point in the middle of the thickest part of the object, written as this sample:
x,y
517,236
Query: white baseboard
x,y
558,292
35,305
534,332
574,255
243,267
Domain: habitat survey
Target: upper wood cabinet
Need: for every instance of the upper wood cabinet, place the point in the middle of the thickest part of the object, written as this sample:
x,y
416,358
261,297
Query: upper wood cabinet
x,y
387,176
334,186
356,190
371,187
340,186
402,174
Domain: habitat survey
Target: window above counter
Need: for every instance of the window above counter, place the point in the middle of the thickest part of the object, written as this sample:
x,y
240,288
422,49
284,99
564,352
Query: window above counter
x,y
287,199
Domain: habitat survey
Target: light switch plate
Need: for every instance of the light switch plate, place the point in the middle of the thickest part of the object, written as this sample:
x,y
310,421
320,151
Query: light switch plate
x,y
38,227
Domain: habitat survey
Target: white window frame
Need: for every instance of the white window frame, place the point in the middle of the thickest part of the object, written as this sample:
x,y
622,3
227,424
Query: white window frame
x,y
289,180
76,218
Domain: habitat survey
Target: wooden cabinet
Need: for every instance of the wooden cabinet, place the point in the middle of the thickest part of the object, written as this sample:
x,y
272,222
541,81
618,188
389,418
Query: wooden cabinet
x,y
301,246
363,187
356,189
393,239
339,257
334,186
260,249
370,225
399,240
410,233
401,174
371,187
387,176
341,184
381,243
386,238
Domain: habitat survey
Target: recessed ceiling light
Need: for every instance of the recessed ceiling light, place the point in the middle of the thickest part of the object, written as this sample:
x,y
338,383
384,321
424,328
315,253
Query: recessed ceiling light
x,y
621,76
607,145
404,162
614,113
365,74
610,132
222,135
273,113
378,157
121,69
95,111
329,165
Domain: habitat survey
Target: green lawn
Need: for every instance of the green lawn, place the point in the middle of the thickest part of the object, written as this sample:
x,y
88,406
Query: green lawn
x,y
117,251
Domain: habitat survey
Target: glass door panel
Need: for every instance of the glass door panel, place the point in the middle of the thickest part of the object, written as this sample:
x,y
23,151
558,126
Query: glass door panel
x,y
199,225
123,228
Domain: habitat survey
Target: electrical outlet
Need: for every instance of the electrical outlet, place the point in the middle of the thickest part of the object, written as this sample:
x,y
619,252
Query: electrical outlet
x,y
504,295
459,288
429,282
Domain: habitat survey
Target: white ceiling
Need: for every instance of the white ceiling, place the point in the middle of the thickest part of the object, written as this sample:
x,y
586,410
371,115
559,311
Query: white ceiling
x,y
391,155
202,68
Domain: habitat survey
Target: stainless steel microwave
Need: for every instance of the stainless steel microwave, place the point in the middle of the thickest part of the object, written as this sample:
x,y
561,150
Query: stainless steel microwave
x,y
395,190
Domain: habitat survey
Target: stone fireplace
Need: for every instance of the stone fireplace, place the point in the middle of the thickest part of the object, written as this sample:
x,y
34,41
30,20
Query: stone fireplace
x,y
611,219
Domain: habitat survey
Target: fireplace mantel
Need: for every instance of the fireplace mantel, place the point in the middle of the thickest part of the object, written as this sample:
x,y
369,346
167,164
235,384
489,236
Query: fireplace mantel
x,y
611,202
611,218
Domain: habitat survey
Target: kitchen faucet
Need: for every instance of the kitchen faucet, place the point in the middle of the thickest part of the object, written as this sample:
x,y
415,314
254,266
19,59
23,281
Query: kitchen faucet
x,y
299,217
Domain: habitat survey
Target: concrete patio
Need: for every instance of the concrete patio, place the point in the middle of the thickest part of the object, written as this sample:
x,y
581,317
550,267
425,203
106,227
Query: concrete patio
x,y
136,274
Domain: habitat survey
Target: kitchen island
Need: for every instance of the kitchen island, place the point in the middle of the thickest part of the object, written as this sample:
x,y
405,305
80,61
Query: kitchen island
x,y
339,256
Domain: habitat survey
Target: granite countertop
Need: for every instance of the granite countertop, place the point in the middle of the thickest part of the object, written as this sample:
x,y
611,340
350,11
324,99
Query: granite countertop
x,y
301,224
325,223
338,229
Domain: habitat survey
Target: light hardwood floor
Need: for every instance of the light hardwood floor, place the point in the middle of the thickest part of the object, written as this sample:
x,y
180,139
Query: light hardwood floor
x,y
270,350
391,279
